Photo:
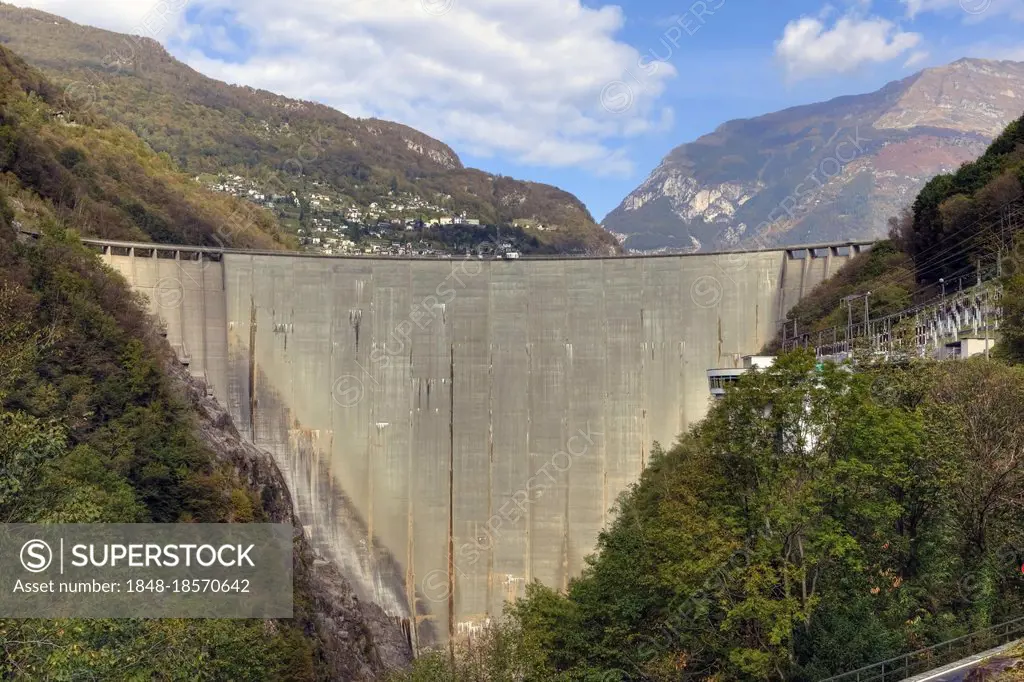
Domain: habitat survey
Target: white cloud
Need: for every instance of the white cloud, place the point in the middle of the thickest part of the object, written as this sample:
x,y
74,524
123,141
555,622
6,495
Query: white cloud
x,y
916,58
971,10
915,7
155,19
809,47
534,81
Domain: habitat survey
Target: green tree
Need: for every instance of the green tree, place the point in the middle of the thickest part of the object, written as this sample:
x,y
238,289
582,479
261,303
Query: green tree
x,y
819,519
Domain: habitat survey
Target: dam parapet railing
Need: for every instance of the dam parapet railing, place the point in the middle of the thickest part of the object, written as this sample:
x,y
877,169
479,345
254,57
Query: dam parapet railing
x,y
796,252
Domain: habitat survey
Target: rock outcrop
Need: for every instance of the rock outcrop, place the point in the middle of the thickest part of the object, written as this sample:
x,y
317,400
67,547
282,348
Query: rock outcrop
x,y
355,639
823,172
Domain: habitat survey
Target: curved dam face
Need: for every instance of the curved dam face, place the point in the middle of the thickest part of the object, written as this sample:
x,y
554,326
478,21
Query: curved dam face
x,y
454,429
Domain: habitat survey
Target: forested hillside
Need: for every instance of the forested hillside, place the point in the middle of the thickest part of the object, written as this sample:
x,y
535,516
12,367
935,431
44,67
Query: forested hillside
x,y
817,521
957,214
104,179
92,432
94,429
283,145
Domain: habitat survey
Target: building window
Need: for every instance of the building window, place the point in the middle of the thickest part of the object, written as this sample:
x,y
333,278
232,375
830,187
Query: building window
x,y
720,382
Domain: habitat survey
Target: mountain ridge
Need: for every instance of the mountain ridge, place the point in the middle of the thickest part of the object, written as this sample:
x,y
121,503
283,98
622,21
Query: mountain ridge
x,y
210,127
781,178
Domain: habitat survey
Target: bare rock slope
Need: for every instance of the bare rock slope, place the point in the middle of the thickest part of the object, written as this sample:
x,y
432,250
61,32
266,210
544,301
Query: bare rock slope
x,y
822,172
356,640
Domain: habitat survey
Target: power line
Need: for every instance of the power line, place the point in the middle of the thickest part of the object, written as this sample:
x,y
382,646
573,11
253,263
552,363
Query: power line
x,y
947,253
930,263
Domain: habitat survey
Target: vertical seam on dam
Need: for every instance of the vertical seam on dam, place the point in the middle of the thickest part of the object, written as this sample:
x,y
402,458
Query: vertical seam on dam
x,y
803,273
781,314
604,408
252,368
757,325
410,480
202,303
570,369
721,340
490,458
181,297
643,385
528,550
682,386
451,496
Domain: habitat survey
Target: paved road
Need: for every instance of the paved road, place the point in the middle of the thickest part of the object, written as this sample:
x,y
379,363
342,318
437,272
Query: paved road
x,y
970,669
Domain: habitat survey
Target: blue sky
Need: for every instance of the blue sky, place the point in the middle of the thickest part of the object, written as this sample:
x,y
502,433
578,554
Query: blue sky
x,y
586,96
729,69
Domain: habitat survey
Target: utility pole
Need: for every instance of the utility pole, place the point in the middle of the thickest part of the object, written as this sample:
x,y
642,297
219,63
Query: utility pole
x,y
867,317
986,331
984,309
1004,218
849,324
848,300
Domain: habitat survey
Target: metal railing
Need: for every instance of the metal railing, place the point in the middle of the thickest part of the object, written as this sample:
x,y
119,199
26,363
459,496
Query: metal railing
x,y
936,656
941,319
972,311
854,247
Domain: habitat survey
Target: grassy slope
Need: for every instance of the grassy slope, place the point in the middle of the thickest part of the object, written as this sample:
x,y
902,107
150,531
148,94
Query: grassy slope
x,y
885,271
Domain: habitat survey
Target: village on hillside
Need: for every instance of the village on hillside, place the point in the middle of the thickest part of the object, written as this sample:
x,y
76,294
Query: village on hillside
x,y
399,224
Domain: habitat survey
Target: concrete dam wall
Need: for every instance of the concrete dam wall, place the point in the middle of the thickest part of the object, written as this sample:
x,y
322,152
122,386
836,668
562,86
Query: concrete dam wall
x,y
454,429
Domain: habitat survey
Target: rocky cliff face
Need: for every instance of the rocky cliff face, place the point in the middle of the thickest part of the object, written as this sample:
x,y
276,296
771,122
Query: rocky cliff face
x,y
356,640
829,171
